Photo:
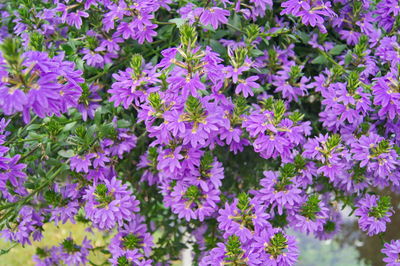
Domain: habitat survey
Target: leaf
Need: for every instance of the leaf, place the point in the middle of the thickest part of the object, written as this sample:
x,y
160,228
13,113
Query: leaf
x,y
97,116
79,63
69,126
320,60
304,37
256,52
68,49
5,251
178,21
337,49
348,58
236,21
33,127
123,123
217,47
66,153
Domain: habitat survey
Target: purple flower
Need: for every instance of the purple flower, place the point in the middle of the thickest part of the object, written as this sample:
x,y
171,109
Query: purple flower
x,y
276,248
92,58
75,18
81,163
124,142
130,86
110,203
311,217
373,213
246,86
233,251
212,16
376,154
192,202
46,256
50,86
12,100
392,252
146,34
132,241
29,223
386,96
73,254
331,227
310,15
63,203
278,192
89,102
243,217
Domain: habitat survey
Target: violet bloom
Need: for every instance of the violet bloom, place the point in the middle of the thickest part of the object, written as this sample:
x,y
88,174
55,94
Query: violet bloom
x,y
193,202
276,248
12,100
75,18
81,163
100,160
47,257
212,16
93,58
274,135
374,152
30,224
392,252
209,176
386,96
148,162
232,252
72,254
50,86
278,192
373,212
131,241
350,36
63,203
109,204
130,87
146,34
246,86
311,217
243,218
331,227
170,160
125,142
89,101
12,171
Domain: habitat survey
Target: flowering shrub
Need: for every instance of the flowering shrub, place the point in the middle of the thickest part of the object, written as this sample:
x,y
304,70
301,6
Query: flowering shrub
x,y
215,125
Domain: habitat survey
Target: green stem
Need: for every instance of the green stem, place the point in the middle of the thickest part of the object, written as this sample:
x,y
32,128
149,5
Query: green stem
x,y
20,203
23,129
330,59
234,27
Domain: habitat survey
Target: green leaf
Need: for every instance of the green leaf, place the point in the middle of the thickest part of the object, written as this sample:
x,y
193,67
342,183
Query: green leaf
x,y
123,123
337,49
68,49
322,60
66,153
69,126
217,46
304,37
256,52
33,127
348,58
178,21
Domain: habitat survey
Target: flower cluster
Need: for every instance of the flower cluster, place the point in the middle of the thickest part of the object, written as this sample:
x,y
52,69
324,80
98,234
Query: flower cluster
x,y
35,82
68,253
